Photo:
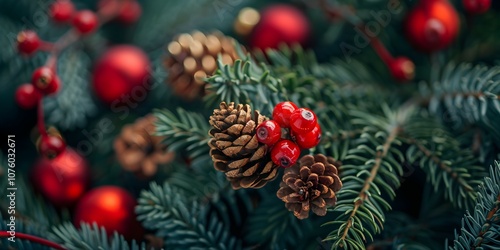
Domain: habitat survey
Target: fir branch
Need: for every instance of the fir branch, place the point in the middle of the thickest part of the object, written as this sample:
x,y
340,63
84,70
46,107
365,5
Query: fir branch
x,y
271,225
183,224
245,82
438,153
482,230
90,238
184,132
469,95
372,168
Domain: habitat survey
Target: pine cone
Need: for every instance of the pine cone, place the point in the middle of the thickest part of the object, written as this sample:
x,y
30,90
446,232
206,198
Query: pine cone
x,y
194,57
139,150
310,185
235,149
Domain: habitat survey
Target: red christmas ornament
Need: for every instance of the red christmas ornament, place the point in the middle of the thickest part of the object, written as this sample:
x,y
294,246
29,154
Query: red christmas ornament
x,y
402,69
121,74
476,7
280,24
129,11
112,208
62,11
28,42
62,180
27,97
45,80
432,25
85,22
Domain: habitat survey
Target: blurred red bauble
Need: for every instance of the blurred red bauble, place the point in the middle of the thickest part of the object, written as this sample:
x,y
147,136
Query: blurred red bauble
x,y
119,72
476,7
126,11
112,208
62,180
27,96
280,24
62,11
432,25
402,69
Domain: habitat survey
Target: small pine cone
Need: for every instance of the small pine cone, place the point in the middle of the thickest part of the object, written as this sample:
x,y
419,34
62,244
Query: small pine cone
x,y
138,150
310,184
194,57
235,149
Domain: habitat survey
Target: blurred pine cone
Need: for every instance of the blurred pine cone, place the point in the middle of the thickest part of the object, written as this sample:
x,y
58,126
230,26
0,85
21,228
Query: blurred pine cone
x,y
194,57
235,149
138,150
310,184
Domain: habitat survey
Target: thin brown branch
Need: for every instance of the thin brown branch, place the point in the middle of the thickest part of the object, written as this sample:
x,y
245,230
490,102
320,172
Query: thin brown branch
x,y
373,173
454,175
487,224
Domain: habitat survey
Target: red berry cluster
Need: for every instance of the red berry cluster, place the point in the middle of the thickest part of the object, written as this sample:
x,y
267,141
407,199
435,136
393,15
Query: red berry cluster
x,y
299,123
45,80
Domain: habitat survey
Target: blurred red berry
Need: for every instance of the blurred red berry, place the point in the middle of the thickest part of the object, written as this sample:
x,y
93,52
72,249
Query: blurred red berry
x,y
28,42
62,11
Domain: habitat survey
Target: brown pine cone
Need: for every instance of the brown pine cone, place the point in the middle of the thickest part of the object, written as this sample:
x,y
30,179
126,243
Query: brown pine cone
x,y
194,57
139,150
235,149
310,184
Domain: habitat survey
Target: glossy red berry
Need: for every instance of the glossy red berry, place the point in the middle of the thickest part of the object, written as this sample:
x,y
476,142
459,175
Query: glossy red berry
x,y
28,42
476,7
130,12
282,112
285,153
45,80
310,139
51,146
62,11
27,96
302,120
85,22
402,69
268,132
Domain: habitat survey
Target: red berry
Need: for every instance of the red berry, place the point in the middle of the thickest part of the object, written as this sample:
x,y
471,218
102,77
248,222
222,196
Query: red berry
x,y
27,96
310,139
302,120
402,69
45,80
62,10
51,146
130,12
282,112
476,7
85,21
268,132
285,153
28,42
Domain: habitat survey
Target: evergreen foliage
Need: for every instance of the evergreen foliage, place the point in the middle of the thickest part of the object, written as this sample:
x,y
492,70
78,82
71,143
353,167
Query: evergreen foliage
x,y
447,128
481,228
